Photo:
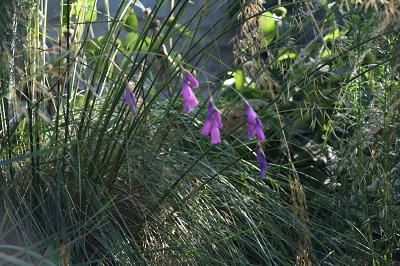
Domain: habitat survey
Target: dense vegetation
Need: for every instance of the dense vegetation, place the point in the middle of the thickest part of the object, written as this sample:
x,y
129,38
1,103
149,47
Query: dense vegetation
x,y
123,148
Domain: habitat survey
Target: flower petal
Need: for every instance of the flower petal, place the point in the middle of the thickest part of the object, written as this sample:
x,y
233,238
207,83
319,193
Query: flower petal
x,y
210,109
186,90
191,79
130,99
250,129
259,130
217,118
215,136
207,127
193,102
251,115
186,106
188,97
262,160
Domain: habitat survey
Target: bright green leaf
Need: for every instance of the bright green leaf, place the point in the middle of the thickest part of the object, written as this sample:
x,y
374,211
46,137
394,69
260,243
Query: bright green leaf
x,y
239,79
284,53
267,26
86,8
332,35
280,11
132,42
131,22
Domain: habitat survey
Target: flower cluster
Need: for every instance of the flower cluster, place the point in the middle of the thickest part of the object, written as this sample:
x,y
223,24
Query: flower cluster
x,y
213,123
188,97
255,127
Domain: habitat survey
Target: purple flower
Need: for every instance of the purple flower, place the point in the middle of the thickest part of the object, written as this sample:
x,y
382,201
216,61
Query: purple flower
x,y
130,99
254,125
190,79
262,160
188,97
215,136
213,123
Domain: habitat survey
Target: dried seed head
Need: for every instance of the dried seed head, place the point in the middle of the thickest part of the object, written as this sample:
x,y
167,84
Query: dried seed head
x,y
147,11
69,33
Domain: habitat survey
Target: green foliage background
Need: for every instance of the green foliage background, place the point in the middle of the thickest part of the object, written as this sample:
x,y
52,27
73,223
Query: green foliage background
x,y
86,181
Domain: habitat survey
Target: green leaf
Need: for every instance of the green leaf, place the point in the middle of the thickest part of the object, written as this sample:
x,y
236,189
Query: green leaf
x,y
267,26
91,12
280,11
93,46
86,8
326,53
132,42
332,35
284,54
131,22
239,79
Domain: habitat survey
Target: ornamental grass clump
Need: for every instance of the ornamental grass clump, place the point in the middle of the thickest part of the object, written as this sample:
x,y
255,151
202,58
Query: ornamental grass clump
x,y
88,178
129,147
